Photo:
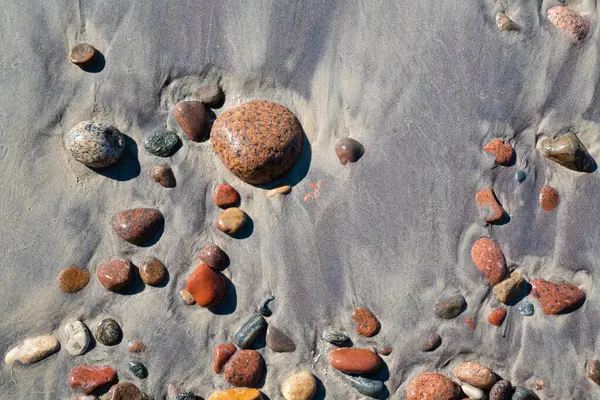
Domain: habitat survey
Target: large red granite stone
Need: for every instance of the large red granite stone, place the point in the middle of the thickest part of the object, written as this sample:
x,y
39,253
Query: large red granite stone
x,y
557,298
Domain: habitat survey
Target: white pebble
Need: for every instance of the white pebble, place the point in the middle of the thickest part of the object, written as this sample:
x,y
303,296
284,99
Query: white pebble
x,y
473,392
78,338
32,350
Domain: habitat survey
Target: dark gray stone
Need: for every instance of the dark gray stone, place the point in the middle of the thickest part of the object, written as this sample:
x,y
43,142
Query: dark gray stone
x,y
250,331
520,176
502,390
161,142
522,393
525,309
138,369
336,338
368,387
265,311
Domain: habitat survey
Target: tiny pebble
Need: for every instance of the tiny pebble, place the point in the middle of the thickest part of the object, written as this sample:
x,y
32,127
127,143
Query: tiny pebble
x,y
279,190
433,342
136,346
138,369
264,310
336,338
549,198
82,54
365,386
163,175
385,351
520,176
187,297
153,272
214,256
592,368
525,309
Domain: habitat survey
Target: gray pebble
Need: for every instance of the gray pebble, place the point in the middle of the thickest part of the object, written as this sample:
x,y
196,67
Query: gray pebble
x,y
368,387
250,331
210,94
526,309
522,393
450,307
108,332
95,144
336,338
161,142
138,369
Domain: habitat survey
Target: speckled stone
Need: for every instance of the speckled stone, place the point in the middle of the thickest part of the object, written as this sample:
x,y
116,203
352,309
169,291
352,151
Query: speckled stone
x,y
365,386
82,54
214,256
210,94
592,369
194,119
336,338
489,259
136,346
138,369
161,142
91,377
244,368
433,342
124,391
568,21
549,198
258,141
115,275
281,190
451,307
95,144
502,390
520,176
207,286
354,360
226,196
138,225
557,298
153,272
522,393
569,152
489,208
475,375
73,279
231,221
78,338
503,151
251,330
429,386
278,341
163,175
510,289
526,309
32,350
366,322
187,297
221,354
108,332
236,394
301,386
497,316
348,150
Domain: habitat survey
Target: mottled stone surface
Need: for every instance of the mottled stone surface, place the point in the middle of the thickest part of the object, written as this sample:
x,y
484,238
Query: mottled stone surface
x,y
163,175
592,369
366,322
549,198
91,377
251,330
510,289
108,332
301,386
505,23
244,368
557,298
336,338
497,316
489,207
82,54
138,369
522,393
153,272
78,338
95,144
207,286
489,259
503,151
138,225
432,386
569,152
194,119
475,375
526,309
502,390
281,190
348,150
236,394
214,256
231,221
278,341
226,196
73,279
161,142
365,386
258,141
210,94
451,307
354,360
568,21
115,275
221,354
124,391
136,346
32,350
433,342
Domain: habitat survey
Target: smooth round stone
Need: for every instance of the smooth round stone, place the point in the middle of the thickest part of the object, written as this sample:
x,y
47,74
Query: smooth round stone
x,y
138,369
82,54
194,119
138,225
366,322
451,307
251,330
108,332
231,221
475,375
433,342
210,94
502,390
226,196
206,286
259,141
78,338
214,256
301,386
526,309
95,144
187,297
336,338
384,351
221,354
432,386
354,360
236,394
115,275
348,150
161,142
73,279
592,369
244,368
503,151
91,377
153,272
520,176
549,198
489,259
365,386
32,350
278,341
136,346
124,391
557,298
510,289
522,393
497,316
163,175
473,392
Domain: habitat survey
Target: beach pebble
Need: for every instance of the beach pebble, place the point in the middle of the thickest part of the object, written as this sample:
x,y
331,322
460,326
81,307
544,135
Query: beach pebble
x,y
264,309
185,396
451,307
115,275
187,297
470,323
473,392
279,190
505,23
336,338
433,342
221,354
489,208
138,369
95,144
568,21
124,391
366,322
108,332
520,176
32,350
136,346
258,141
236,394
384,351
569,152
522,393
489,259
214,256
250,331
510,289
78,338
432,386
194,119
497,316
502,390
503,151
91,377
525,309
548,198
592,368
301,386
83,397
231,220
354,360
210,94
557,298
153,272
365,386
163,175
82,54
138,225
206,286
161,142
348,150
73,279
226,196
475,375
278,341
244,368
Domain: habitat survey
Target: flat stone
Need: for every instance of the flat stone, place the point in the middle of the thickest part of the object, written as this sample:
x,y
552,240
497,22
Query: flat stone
x,y
138,225
525,309
568,21
503,151
489,259
502,390
592,369
194,119
258,141
354,360
73,279
221,354
522,393
231,221
366,322
78,338
206,286
124,391
433,342
226,196
281,190
365,386
336,338
244,368
214,256
432,386
489,207
136,346
451,307
153,272
236,394
557,298
138,369
32,350
95,144
278,341
569,152
82,54
510,289
301,386
163,175
505,23
108,332
161,142
250,331
475,375
91,377
473,392
349,150
210,94
520,176
384,351
549,198
115,275
187,297
497,316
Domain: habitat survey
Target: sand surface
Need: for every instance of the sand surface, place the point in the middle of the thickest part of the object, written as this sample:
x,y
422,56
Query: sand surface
x,y
423,85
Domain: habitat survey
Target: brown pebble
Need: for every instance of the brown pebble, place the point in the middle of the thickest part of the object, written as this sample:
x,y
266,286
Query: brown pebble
x,y
153,271
244,368
73,279
114,275
385,351
82,54
187,297
210,94
489,259
221,354
366,322
348,150
136,346
231,221
433,342
214,256
592,368
124,391
538,384
163,175
279,190
226,196
193,118
503,151
549,198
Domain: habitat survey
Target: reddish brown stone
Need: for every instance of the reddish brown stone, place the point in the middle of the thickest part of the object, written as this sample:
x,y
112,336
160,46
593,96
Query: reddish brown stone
x,y
91,377
153,272
489,206
470,323
433,342
82,54
221,354
354,360
475,375
226,196
497,316
163,175
245,368
73,279
489,259
138,225
206,286
503,152
557,298
366,322
592,368
385,351
567,20
136,346
502,390
124,391
348,150
432,386
114,275
549,198
214,256
259,141
193,118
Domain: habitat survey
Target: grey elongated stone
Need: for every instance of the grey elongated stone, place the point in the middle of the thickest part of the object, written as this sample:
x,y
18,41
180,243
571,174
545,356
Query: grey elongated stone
x,y
279,341
522,393
336,338
138,369
451,307
250,331
366,386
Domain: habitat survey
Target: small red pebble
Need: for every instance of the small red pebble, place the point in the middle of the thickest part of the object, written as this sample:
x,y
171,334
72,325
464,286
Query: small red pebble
x,y
136,346
549,198
491,210
497,316
221,354
503,152
385,351
470,323
226,196
366,322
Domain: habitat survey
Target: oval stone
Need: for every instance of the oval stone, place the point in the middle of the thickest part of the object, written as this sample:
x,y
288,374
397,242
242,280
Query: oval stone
x,y
365,386
136,346
473,392
210,94
336,338
114,275
354,360
236,394
95,144
522,393
366,322
163,175
432,386
214,256
557,298
502,390
258,141
206,286
221,354
91,377
108,332
82,54
78,338
73,279
497,316
138,225
520,176
32,350
124,391
226,196
231,221
489,259
451,307
348,150
549,198
526,309
153,272
475,375
301,386
194,119
250,331
161,142
433,342
278,341
138,369
244,368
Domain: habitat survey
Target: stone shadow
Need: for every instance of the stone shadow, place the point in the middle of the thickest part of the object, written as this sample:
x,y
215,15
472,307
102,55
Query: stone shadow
x,y
229,303
128,166
298,171
97,65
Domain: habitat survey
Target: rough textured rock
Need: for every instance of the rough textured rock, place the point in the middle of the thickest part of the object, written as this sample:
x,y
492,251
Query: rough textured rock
x,y
214,256
506,24
366,322
502,390
497,316
236,394
73,279
82,54
354,360
568,21
95,144
489,208
278,341
138,225
78,338
281,190
194,119
475,375
365,386
433,342
258,141
124,391
451,307
231,221
503,151
161,142
163,175
32,350
114,275
592,368
301,386
348,150
138,369
510,289
432,386
207,286
210,94
250,331
153,272
108,332
489,259
244,368
569,152
136,346
336,338
549,198
226,196
91,377
221,354
557,298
